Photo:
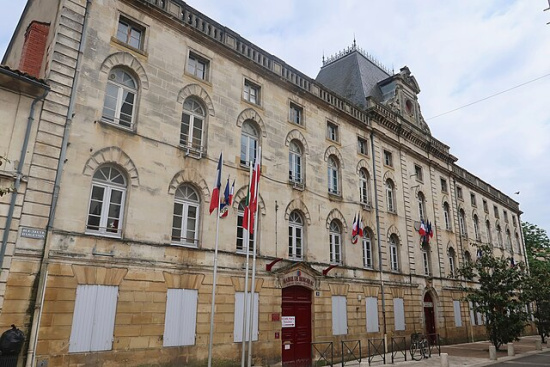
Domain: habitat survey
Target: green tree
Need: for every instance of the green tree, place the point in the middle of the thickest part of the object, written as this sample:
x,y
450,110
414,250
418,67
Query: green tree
x,y
497,295
537,289
4,190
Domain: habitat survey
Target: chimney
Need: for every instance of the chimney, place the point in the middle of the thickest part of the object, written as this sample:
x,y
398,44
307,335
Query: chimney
x,y
34,48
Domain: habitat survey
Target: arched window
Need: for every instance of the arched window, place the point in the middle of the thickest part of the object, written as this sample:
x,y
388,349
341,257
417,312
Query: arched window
x,y
421,200
295,235
192,125
364,186
509,241
107,202
452,262
185,223
120,98
389,196
462,222
518,244
394,253
368,256
333,176
249,142
241,232
489,236
499,237
335,239
447,216
476,228
295,163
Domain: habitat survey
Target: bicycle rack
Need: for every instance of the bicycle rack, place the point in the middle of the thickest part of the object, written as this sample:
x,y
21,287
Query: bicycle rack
x,y
349,347
378,348
325,350
398,346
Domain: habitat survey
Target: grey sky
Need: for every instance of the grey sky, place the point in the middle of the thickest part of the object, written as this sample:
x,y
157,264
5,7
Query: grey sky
x,y
460,51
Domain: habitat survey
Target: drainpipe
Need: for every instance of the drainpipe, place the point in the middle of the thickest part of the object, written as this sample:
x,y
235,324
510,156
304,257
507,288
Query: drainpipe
x,y
19,174
41,291
378,239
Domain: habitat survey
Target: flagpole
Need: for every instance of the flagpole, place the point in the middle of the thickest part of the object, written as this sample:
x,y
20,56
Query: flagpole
x,y
213,308
253,285
247,244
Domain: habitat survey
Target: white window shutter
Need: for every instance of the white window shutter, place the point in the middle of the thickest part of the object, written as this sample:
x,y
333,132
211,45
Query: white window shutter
x,y
372,314
83,319
181,317
189,316
104,318
238,325
458,317
339,315
399,314
472,315
172,318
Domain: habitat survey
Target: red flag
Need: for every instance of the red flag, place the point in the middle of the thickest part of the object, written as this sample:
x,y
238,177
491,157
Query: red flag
x,y
354,230
252,201
216,191
360,226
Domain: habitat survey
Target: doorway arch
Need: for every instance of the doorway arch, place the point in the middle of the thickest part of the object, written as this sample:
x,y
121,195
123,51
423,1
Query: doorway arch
x,y
429,316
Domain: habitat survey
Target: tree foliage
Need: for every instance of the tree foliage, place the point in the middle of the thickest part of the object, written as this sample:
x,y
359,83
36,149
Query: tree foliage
x,y
498,295
537,289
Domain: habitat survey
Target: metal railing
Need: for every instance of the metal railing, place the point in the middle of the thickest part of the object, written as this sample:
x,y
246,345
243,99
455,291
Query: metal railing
x,y
376,348
398,348
434,343
322,353
350,348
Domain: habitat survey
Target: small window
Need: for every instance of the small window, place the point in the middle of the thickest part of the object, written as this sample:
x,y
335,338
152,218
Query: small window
x,y
443,185
514,220
362,146
130,33
495,209
485,206
459,192
296,114
198,66
388,158
505,214
332,131
473,199
251,92
418,173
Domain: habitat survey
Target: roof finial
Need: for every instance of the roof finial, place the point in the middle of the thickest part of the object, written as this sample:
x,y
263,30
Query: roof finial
x,y
354,44
323,57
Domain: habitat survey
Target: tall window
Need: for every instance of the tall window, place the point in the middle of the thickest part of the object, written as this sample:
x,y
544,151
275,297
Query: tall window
x,y
333,179
251,92
389,196
296,114
364,186
509,241
130,33
443,184
462,222
499,237
192,125
421,200
426,261
362,146
473,199
394,253
241,232
368,260
485,206
295,163
249,142
120,98
452,262
197,66
185,223
335,239
418,173
388,159
459,192
476,228
489,236
295,235
518,244
107,202
332,131
447,216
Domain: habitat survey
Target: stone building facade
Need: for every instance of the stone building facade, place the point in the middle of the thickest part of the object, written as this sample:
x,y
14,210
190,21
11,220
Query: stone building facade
x,y
145,95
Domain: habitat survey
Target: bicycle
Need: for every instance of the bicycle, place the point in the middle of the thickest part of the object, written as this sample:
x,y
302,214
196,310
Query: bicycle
x,y
420,347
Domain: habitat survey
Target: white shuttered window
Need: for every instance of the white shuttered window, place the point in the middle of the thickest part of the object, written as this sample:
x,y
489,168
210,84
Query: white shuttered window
x,y
238,326
93,318
181,317
372,314
399,313
339,315
458,316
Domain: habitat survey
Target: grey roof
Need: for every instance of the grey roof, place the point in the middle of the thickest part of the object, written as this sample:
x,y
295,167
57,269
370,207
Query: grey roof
x,y
354,77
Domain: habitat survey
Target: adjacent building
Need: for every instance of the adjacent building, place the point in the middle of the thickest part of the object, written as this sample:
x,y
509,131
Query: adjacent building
x,y
110,258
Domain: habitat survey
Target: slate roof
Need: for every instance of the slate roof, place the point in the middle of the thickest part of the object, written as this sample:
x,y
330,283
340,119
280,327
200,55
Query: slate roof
x,y
354,77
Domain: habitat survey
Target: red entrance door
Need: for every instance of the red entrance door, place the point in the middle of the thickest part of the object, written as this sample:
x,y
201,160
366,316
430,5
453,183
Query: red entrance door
x,y
297,340
429,316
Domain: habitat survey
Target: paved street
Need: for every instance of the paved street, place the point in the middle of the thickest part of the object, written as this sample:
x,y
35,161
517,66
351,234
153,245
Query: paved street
x,y
536,360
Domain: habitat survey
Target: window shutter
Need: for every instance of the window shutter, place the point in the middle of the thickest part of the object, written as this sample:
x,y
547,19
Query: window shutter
x,y
189,316
104,318
83,319
339,315
399,313
458,317
472,314
172,320
372,314
238,325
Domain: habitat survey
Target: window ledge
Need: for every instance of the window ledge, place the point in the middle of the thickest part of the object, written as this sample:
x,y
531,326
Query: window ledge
x,y
188,245
194,77
297,185
107,235
335,196
193,152
125,45
117,126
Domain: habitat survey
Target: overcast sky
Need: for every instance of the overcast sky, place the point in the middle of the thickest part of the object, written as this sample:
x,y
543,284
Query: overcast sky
x,y
496,52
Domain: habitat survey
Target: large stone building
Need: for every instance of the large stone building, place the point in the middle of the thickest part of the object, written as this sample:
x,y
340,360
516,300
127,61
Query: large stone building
x,y
111,248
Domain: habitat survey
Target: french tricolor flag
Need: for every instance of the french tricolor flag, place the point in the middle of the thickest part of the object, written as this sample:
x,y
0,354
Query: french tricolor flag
x,y
216,191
